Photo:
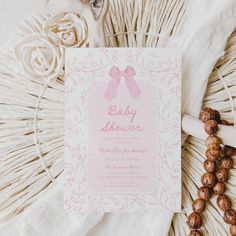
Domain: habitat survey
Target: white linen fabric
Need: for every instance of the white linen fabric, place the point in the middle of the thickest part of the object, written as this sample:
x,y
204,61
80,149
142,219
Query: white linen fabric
x,y
205,33
207,26
47,218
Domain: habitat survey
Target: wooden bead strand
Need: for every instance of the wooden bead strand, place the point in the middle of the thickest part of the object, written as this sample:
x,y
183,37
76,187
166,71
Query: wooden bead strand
x,y
217,165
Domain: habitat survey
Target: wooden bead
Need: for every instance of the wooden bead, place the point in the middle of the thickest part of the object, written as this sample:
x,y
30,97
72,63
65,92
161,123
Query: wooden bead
x,y
226,162
224,203
233,230
210,126
217,116
204,193
195,233
194,221
210,166
199,205
213,142
230,217
207,114
229,151
208,180
222,175
213,154
219,188
224,122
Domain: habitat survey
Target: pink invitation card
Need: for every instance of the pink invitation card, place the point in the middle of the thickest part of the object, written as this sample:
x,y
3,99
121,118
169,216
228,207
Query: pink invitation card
x,y
122,130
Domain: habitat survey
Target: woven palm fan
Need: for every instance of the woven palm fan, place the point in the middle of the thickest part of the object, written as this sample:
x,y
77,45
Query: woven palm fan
x,y
32,110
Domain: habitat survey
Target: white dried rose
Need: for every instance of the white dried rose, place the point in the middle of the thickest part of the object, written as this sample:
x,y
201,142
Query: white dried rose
x,y
67,30
40,57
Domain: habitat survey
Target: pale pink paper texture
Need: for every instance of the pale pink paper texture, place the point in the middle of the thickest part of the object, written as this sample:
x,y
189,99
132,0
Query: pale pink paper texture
x,y
121,161
122,140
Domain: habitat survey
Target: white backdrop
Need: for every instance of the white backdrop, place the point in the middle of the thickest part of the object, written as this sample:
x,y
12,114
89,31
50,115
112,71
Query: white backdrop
x,y
13,12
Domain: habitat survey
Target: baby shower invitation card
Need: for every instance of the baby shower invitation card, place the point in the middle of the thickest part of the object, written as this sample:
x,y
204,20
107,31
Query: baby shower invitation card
x,y
122,130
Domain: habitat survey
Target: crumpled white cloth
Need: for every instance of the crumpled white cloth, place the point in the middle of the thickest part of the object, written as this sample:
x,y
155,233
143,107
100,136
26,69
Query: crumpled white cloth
x,y
202,41
47,218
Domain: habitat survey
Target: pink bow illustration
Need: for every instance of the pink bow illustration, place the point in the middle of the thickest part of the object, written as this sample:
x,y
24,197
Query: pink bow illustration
x,y
131,84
